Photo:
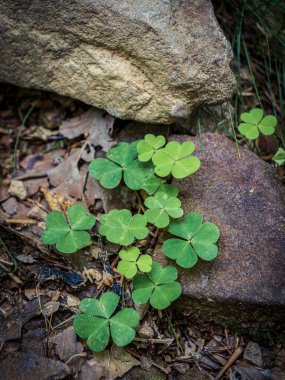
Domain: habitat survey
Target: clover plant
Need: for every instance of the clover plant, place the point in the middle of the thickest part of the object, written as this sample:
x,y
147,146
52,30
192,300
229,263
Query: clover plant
x,y
68,235
197,239
147,165
254,123
279,157
119,226
161,207
121,162
96,322
147,147
158,286
175,159
132,261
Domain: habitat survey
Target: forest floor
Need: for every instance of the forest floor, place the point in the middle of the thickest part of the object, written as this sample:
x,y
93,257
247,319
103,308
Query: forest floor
x,y
41,290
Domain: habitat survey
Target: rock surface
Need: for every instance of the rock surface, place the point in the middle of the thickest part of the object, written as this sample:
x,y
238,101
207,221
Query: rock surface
x,y
147,60
245,198
28,366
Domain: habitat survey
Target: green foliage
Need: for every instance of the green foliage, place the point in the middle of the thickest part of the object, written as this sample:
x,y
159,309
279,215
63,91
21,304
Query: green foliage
x,y
147,147
121,161
158,286
139,164
152,184
119,226
70,236
197,240
279,157
132,261
169,189
175,159
254,123
95,324
161,206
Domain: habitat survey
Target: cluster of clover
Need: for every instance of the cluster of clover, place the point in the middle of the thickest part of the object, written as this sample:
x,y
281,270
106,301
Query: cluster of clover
x,y
143,165
254,122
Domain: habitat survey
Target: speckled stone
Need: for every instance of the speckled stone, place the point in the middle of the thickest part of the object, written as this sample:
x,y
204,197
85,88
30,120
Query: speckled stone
x,y
246,199
146,60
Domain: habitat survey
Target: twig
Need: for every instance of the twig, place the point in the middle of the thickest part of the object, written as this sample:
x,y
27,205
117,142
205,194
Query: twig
x,y
174,333
152,340
20,221
64,322
230,362
165,370
83,355
30,176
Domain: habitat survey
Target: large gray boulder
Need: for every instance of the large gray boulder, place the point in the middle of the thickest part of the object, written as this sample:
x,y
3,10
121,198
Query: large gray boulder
x,y
147,60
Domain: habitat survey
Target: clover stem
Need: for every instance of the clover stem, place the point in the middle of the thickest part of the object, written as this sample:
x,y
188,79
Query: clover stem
x,y
174,333
140,205
152,234
123,292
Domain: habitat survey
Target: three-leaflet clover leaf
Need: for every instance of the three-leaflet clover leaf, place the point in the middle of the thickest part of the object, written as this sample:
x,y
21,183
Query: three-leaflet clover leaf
x,y
175,158
147,147
119,226
121,162
96,323
279,157
170,189
160,207
254,123
152,184
132,260
197,240
69,236
158,286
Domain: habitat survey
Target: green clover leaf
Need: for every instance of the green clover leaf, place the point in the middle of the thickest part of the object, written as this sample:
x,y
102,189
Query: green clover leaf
x,y
279,157
254,123
147,147
169,189
95,323
175,159
70,236
198,240
132,260
119,226
160,207
158,286
152,184
121,161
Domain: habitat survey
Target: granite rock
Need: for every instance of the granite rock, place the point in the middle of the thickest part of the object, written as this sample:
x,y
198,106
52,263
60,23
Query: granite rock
x,y
146,60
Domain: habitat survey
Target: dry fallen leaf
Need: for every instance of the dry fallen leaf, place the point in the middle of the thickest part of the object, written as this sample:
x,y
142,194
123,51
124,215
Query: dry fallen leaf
x,y
96,124
116,361
68,178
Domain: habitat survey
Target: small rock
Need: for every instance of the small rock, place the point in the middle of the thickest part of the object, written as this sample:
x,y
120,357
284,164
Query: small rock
x,y
145,330
50,308
72,301
253,355
66,344
28,366
18,189
26,259
181,367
